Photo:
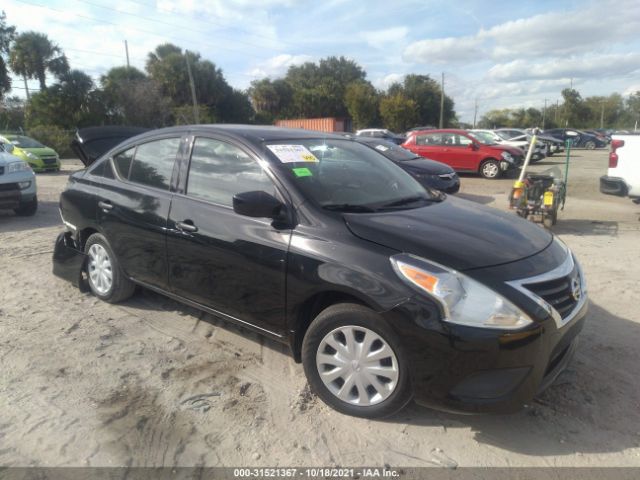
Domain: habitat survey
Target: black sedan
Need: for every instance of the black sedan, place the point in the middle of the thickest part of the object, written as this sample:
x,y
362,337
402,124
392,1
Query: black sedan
x,y
384,290
429,173
577,138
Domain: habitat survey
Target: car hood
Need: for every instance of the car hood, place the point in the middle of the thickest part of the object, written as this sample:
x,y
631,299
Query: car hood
x,y
6,158
92,142
40,151
430,167
457,233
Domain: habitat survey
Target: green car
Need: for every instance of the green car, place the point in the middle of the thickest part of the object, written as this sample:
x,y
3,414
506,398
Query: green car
x,y
38,156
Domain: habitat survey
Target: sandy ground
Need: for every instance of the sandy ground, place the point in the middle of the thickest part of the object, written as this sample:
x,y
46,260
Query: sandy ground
x,y
152,383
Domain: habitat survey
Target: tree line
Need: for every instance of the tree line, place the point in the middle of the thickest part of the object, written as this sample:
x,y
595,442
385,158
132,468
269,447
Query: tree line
x,y
612,112
161,94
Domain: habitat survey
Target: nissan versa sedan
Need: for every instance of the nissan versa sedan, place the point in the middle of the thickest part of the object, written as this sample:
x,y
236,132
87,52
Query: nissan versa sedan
x,y
384,291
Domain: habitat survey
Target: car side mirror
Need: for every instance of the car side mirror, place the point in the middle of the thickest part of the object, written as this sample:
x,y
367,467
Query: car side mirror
x,y
473,146
257,204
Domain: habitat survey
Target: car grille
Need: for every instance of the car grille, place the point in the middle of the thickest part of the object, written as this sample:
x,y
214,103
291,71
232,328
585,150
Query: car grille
x,y
6,187
561,293
49,160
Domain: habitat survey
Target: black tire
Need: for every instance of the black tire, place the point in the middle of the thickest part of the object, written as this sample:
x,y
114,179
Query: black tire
x,y
490,169
345,315
590,145
27,209
121,287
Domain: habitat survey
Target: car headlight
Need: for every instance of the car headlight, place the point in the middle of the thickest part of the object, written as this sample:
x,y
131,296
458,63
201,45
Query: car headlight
x,y
18,167
506,156
32,155
463,300
24,185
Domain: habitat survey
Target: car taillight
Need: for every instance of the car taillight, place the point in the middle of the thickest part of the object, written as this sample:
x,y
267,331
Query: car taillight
x,y
613,156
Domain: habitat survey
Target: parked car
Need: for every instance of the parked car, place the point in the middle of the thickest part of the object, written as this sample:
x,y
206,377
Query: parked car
x,y
578,138
384,291
429,173
549,144
623,176
489,137
18,190
381,133
39,157
602,135
463,152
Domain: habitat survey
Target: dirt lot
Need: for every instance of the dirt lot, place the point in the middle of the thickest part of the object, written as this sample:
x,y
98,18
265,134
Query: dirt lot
x,y
151,383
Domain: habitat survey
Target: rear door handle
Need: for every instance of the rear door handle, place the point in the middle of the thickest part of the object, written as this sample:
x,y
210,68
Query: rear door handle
x,y
186,226
105,205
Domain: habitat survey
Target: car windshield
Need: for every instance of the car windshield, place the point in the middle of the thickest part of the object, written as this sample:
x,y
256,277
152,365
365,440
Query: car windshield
x,y
483,137
344,175
25,142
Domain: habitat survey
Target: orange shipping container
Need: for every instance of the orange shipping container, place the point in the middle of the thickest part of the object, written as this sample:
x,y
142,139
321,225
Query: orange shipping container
x,y
328,124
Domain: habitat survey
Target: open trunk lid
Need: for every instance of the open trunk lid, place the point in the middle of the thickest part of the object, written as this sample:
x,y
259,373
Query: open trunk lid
x,y
92,142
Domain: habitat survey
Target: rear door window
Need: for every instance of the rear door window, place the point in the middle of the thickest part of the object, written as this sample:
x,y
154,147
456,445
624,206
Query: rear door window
x,y
153,163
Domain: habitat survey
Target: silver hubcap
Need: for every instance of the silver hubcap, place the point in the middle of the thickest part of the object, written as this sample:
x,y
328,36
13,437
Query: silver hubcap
x,y
100,270
357,365
490,169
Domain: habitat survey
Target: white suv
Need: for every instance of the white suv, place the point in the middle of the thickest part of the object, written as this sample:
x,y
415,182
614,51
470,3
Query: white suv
x,y
17,183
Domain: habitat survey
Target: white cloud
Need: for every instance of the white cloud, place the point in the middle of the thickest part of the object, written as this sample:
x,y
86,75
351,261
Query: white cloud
x,y
277,66
384,38
386,81
631,90
586,66
595,26
444,50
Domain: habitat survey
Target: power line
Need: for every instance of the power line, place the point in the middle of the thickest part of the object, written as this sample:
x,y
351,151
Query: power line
x,y
148,32
160,22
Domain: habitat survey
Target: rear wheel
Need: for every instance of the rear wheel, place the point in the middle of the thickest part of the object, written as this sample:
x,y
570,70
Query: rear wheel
x,y
106,279
354,362
27,209
490,169
590,145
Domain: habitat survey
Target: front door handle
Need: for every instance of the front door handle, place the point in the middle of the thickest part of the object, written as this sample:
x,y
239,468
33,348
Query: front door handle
x,y
106,206
186,226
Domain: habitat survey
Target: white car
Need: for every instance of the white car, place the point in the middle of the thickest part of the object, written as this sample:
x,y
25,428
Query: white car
x,y
522,142
17,183
381,133
623,176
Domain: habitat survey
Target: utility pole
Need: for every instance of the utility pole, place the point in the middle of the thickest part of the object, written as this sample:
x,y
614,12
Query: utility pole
x,y
602,113
442,102
544,113
196,113
475,113
126,49
555,114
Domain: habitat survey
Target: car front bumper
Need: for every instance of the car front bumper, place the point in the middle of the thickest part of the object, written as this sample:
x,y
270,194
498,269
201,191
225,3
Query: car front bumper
x,y
11,194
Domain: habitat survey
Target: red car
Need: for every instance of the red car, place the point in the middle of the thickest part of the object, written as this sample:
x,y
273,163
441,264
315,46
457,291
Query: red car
x,y
464,152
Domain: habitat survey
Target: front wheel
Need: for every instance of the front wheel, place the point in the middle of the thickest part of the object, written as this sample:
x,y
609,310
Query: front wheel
x,y
590,145
354,362
490,169
106,279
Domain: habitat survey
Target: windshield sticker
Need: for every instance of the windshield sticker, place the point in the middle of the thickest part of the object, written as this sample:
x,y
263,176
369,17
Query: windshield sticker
x,y
382,148
302,172
292,153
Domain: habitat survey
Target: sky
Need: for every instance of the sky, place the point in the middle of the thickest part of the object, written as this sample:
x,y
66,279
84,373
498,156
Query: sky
x,y
495,54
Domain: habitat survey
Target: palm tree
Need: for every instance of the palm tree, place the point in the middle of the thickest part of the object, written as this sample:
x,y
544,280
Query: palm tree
x,y
33,55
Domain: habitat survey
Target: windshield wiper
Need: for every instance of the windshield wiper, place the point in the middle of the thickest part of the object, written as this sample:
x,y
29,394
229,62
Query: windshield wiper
x,y
347,207
406,200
